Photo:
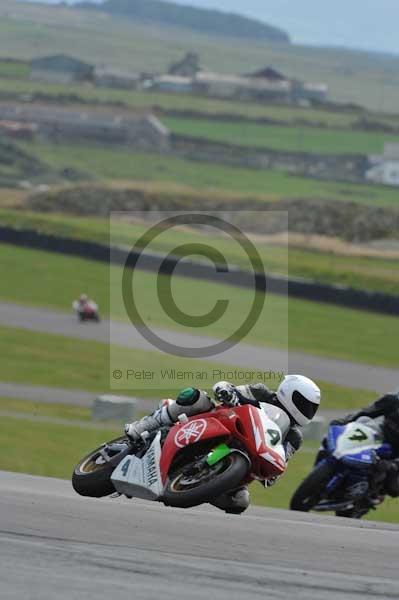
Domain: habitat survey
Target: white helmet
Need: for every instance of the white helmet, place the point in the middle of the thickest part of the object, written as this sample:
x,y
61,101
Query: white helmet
x,y
300,397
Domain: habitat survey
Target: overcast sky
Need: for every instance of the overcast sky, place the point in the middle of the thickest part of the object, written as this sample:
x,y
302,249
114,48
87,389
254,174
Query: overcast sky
x,y
366,24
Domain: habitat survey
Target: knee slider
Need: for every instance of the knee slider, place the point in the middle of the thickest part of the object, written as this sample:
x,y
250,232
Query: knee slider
x,y
188,396
191,402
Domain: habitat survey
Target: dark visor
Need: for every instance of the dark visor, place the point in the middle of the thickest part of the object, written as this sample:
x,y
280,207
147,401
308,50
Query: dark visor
x,y
303,405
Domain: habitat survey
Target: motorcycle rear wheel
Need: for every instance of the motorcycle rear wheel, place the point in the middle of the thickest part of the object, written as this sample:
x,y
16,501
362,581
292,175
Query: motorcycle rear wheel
x,y
309,493
185,489
92,475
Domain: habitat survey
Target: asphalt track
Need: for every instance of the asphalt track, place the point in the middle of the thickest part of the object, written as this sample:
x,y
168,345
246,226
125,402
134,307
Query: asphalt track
x,y
354,375
55,545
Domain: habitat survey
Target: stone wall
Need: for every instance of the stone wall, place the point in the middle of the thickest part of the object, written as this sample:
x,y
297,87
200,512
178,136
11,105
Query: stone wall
x,y
345,220
338,167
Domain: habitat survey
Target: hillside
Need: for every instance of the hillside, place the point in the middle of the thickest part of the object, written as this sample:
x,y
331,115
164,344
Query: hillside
x,y
212,22
28,30
368,25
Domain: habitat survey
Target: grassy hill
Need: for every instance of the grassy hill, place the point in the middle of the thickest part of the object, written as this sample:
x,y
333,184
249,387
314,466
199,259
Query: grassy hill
x,y
17,164
212,22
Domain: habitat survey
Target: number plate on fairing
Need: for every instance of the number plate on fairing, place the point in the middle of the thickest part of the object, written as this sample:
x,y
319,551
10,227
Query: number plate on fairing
x,y
140,477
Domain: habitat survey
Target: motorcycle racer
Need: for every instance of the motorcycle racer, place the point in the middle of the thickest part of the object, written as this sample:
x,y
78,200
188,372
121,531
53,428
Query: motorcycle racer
x,y
86,308
291,406
384,414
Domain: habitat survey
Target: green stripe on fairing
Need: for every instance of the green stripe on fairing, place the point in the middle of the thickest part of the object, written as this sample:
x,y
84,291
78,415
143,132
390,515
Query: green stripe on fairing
x,y
217,454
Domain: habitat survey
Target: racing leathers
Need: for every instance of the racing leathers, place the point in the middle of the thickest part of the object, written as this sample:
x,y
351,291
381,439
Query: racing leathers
x,y
192,401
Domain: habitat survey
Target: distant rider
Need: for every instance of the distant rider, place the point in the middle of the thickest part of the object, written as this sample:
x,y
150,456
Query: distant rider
x,y
292,406
82,302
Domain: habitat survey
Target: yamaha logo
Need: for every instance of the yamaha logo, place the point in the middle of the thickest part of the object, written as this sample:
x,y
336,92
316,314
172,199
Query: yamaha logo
x,y
190,433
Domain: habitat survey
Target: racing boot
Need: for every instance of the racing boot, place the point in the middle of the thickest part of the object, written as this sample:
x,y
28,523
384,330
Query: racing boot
x,y
233,502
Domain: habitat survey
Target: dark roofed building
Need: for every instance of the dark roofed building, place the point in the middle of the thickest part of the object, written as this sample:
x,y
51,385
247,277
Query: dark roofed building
x,y
60,68
187,67
268,73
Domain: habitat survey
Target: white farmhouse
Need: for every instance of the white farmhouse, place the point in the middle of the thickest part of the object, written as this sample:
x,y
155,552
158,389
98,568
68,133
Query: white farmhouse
x,y
385,167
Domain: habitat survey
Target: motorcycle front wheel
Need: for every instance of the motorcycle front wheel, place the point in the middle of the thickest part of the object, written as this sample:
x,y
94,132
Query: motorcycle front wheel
x,y
196,483
92,475
309,493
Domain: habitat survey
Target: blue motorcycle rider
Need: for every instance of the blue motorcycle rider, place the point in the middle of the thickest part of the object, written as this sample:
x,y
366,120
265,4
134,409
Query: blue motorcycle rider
x,y
384,414
291,406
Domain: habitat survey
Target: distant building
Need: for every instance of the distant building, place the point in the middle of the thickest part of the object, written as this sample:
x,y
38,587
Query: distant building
x,y
172,83
268,73
138,131
385,167
114,78
309,92
187,67
301,91
60,68
242,88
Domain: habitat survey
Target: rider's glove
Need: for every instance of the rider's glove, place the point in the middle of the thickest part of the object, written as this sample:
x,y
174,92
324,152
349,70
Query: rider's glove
x,y
226,393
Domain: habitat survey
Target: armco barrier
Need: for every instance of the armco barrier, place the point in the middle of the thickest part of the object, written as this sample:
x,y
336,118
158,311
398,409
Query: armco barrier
x,y
298,288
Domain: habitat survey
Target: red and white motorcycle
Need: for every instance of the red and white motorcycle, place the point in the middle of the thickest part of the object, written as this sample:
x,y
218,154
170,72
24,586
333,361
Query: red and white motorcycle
x,y
194,461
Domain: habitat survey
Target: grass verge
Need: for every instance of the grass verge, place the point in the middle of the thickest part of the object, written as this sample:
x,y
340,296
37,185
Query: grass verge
x,y
319,329
21,406
80,364
370,273
53,449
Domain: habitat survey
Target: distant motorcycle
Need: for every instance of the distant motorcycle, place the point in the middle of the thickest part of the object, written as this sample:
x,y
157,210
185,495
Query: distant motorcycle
x,y
192,462
345,480
87,311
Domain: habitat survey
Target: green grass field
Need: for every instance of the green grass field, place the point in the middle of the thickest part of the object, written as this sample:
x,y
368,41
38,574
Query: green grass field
x,y
334,331
22,407
54,449
377,274
119,164
294,139
27,357
81,364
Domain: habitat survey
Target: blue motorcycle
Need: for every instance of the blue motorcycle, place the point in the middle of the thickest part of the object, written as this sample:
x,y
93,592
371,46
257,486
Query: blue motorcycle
x,y
346,477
